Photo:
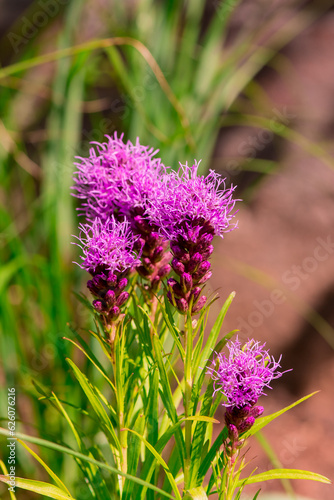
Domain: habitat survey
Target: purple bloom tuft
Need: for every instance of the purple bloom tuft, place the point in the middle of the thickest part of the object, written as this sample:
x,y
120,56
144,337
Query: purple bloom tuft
x,y
108,245
244,374
188,202
116,177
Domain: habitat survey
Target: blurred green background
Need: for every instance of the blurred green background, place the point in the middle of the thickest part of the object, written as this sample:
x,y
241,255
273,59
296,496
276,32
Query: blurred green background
x,y
212,80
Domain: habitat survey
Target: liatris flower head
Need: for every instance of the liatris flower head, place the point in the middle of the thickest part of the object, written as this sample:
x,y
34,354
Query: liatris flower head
x,y
108,255
242,378
243,375
117,177
190,210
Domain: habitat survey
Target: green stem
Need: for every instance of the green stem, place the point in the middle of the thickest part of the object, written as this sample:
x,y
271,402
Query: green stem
x,y
188,339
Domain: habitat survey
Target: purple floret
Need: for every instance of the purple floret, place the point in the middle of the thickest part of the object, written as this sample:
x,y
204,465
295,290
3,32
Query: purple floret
x,y
243,376
108,245
116,177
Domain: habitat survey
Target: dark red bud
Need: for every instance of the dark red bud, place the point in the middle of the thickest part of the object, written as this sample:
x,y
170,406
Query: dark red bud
x,y
142,225
207,252
256,411
246,424
199,305
114,312
92,287
182,305
111,279
122,298
177,266
110,297
157,253
195,292
186,282
194,262
122,284
205,278
97,304
233,433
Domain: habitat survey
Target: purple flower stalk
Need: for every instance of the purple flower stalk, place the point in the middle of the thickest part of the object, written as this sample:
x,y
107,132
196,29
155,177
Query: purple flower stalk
x,y
118,179
190,210
242,377
108,255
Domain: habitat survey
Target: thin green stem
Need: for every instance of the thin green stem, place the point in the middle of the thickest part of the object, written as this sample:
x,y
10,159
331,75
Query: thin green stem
x,y
188,340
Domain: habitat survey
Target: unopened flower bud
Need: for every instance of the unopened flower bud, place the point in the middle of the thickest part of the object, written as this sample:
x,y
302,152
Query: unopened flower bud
x,y
110,297
199,305
123,297
207,252
195,293
246,424
256,411
97,304
157,253
182,305
111,279
233,433
92,287
186,282
177,266
148,265
114,312
205,278
141,224
194,262
122,284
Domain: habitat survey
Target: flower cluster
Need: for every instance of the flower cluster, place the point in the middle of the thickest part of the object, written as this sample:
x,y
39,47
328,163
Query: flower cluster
x,y
190,210
242,378
126,182
118,180
108,255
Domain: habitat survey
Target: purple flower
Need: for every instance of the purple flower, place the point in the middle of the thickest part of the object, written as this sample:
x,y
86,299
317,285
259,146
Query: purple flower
x,y
190,210
108,245
243,376
116,177
187,202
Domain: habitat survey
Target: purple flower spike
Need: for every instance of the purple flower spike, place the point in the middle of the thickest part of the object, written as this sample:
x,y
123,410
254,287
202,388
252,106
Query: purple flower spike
x,y
242,378
190,210
244,374
108,254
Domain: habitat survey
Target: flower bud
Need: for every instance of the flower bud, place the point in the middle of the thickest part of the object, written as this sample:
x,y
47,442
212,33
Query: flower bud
x,y
186,282
111,279
199,305
194,262
177,266
205,278
207,252
122,298
141,224
182,305
122,284
92,287
97,304
157,253
114,312
246,424
256,411
148,265
110,298
233,433
195,293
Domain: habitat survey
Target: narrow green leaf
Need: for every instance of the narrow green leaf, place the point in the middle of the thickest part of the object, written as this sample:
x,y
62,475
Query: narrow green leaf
x,y
76,454
48,490
96,405
263,421
161,461
5,471
284,474
54,476
212,338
